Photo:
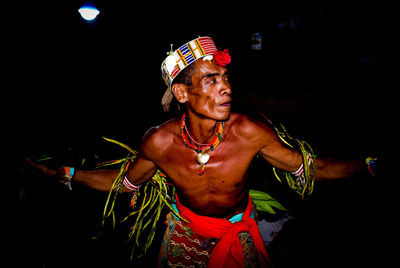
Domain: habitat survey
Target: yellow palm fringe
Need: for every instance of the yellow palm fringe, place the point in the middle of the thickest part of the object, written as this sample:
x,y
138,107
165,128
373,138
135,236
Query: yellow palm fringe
x,y
303,189
306,188
153,196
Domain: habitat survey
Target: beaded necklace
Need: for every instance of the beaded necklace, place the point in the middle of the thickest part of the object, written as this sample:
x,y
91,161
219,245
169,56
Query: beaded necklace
x,y
202,155
190,137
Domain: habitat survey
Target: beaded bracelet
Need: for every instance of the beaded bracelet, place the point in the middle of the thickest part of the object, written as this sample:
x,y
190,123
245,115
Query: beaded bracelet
x,y
67,174
371,164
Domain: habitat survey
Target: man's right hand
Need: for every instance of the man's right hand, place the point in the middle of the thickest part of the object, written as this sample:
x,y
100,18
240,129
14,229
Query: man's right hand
x,y
41,169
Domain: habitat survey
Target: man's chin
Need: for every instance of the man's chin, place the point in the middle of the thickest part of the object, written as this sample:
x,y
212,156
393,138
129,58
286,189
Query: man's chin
x,y
217,115
224,117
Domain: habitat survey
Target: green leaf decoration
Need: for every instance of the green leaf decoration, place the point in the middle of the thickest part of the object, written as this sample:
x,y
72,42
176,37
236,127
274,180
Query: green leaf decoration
x,y
264,202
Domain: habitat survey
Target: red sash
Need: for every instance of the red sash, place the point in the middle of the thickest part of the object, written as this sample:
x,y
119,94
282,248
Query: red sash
x,y
228,252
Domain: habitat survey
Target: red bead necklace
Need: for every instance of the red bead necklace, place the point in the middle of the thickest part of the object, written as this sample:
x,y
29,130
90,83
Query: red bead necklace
x,y
203,150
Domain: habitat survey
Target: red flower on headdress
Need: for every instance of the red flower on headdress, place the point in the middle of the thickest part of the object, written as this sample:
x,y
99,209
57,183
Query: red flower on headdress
x,y
222,58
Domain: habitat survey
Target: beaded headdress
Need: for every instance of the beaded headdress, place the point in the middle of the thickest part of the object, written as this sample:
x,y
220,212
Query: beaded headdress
x,y
179,59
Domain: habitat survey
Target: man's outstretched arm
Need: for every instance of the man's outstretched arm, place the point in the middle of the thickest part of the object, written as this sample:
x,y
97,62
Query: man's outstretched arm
x,y
335,169
290,160
327,168
101,180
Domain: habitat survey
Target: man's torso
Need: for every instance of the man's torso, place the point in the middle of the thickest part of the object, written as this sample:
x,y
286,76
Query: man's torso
x,y
220,190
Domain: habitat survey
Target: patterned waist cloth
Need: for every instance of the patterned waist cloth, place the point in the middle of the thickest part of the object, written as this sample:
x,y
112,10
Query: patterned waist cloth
x,y
183,247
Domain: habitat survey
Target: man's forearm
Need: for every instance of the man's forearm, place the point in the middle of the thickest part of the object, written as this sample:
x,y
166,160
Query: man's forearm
x,y
101,180
333,169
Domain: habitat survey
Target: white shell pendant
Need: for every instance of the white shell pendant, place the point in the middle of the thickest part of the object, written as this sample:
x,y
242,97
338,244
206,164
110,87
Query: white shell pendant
x,y
202,158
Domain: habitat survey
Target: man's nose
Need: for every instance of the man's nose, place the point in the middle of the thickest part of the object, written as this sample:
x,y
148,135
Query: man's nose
x,y
225,88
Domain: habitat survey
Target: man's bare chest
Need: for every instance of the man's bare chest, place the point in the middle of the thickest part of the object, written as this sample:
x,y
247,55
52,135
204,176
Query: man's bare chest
x,y
226,164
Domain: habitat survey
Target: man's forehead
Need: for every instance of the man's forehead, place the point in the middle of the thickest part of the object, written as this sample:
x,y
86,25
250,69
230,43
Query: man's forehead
x,y
202,68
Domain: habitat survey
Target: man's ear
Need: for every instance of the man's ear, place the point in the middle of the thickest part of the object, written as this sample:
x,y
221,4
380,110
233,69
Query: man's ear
x,y
181,92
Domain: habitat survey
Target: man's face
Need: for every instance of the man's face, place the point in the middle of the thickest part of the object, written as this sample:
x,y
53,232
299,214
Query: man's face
x,y
210,93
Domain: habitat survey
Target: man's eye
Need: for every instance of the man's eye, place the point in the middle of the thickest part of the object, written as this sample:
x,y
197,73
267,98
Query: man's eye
x,y
211,80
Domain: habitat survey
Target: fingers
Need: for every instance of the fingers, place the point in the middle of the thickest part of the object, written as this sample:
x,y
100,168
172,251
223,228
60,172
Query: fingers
x,y
41,169
167,218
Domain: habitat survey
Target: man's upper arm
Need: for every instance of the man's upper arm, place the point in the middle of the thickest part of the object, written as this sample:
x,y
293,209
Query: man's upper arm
x,y
141,171
144,167
276,153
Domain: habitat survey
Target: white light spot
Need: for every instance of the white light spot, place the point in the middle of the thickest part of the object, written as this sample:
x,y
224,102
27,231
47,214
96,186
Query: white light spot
x,y
88,12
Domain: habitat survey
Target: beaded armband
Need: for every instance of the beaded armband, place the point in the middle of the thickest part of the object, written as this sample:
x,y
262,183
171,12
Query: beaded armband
x,y
299,173
133,188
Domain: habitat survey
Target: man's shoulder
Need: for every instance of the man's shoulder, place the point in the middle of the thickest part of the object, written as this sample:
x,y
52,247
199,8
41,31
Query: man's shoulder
x,y
159,137
249,127
247,123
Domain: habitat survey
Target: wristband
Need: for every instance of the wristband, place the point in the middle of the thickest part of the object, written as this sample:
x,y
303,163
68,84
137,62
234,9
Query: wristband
x,y
371,164
67,174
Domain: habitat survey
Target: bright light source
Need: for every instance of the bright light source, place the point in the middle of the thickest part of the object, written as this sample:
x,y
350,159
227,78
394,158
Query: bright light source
x,y
88,12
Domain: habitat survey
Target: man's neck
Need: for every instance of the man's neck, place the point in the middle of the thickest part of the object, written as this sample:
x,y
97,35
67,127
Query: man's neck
x,y
202,130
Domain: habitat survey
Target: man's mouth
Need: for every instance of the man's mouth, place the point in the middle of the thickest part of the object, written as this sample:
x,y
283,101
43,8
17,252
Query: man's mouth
x,y
226,104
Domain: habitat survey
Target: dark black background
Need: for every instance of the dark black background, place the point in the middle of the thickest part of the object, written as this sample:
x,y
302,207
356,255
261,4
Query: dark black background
x,y
68,82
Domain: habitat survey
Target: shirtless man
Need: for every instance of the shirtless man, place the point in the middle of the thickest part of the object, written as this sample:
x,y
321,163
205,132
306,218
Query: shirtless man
x,y
221,191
